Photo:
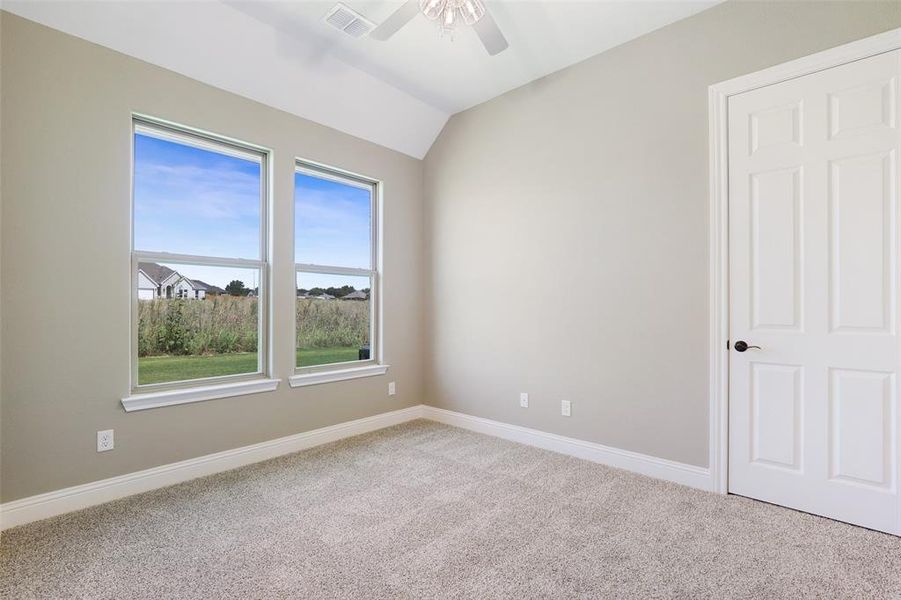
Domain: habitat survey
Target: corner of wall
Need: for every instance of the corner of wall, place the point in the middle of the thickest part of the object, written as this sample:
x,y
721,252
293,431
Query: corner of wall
x,y
1,224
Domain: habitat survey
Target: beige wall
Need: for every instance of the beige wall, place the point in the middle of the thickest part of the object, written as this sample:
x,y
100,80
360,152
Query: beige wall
x,y
66,113
567,230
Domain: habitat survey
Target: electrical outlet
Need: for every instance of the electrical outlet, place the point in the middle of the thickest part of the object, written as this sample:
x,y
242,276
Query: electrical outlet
x,y
524,400
566,408
105,440
391,388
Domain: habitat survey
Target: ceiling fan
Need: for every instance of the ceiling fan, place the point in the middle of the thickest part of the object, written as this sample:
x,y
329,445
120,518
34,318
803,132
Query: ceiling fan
x,y
448,13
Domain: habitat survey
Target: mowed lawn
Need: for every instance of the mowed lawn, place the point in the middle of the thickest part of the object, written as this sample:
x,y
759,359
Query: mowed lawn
x,y
160,369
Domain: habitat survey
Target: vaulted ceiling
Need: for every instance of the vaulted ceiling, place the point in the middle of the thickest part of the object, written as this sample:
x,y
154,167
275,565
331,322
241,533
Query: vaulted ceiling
x,y
398,93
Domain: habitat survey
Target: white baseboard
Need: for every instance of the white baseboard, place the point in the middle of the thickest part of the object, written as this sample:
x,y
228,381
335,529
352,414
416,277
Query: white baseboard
x,y
690,475
42,506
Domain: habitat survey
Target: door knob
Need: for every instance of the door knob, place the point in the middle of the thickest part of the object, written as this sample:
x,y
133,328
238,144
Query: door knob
x,y
741,346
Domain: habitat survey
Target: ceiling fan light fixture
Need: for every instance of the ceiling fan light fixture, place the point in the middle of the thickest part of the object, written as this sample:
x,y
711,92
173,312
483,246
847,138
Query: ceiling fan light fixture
x,y
472,11
447,14
449,18
432,9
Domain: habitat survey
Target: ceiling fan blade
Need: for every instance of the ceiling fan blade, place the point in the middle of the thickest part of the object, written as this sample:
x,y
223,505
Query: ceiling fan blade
x,y
398,19
490,34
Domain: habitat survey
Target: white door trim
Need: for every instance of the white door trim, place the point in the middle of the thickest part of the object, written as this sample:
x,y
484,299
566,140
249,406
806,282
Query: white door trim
x,y
718,238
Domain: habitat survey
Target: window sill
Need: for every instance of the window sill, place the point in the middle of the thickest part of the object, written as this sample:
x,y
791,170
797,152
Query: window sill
x,y
197,394
339,375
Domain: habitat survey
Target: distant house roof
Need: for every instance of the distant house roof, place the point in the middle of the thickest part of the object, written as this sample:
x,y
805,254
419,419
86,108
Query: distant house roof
x,y
206,287
182,280
357,295
157,273
325,297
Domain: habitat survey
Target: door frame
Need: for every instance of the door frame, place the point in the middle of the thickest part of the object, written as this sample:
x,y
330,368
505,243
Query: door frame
x,y
718,224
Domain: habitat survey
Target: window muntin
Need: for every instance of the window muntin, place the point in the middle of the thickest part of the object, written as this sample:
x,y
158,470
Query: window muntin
x,y
336,305
199,259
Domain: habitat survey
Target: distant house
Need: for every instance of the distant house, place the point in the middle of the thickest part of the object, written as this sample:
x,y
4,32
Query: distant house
x,y
206,289
357,295
323,297
155,281
158,281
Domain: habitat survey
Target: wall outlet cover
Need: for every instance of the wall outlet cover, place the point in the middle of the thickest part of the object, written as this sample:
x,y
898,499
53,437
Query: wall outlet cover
x,y
105,440
524,400
392,389
566,408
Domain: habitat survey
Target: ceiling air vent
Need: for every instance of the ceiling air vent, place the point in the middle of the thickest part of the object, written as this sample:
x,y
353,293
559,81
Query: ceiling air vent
x,y
349,21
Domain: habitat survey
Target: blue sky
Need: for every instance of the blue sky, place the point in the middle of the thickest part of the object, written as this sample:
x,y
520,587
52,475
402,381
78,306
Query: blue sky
x,y
189,200
331,223
194,201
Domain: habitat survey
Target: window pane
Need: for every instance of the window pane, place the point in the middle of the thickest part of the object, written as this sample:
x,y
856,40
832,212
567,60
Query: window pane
x,y
332,222
192,200
333,317
196,321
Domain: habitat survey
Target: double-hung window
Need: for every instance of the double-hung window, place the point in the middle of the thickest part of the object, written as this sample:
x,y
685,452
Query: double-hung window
x,y
199,269
337,276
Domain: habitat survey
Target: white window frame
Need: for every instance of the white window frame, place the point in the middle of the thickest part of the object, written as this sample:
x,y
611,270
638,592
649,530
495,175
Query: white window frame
x,y
331,372
206,388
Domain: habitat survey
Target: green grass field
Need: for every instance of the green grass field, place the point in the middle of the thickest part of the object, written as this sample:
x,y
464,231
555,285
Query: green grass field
x,y
161,369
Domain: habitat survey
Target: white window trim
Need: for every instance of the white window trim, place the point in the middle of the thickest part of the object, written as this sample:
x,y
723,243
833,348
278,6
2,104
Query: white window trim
x,y
197,390
333,372
333,375
187,395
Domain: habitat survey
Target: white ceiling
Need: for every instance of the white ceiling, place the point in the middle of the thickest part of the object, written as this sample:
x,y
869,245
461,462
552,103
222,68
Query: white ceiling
x,y
397,93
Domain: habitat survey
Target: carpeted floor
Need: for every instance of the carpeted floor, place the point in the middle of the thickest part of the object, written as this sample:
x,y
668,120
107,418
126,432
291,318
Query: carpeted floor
x,y
428,511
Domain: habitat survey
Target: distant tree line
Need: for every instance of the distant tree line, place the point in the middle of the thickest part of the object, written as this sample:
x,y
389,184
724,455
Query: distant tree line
x,y
337,292
236,287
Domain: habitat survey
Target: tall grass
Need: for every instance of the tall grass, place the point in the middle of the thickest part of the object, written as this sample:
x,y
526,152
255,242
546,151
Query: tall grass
x,y
225,324
217,325
332,323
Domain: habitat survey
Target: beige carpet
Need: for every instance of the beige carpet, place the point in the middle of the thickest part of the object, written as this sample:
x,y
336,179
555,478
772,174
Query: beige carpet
x,y
428,511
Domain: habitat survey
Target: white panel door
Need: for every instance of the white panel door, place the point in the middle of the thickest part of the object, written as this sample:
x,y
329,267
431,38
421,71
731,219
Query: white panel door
x,y
813,226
